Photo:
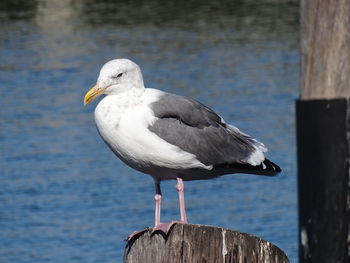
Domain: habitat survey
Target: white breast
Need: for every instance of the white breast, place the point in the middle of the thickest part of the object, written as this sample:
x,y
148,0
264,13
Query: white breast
x,y
123,123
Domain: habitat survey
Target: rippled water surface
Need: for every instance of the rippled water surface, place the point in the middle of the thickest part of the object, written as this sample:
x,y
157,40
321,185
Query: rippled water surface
x,y
64,197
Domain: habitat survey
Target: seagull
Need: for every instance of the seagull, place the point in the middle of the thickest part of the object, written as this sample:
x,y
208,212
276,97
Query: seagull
x,y
168,136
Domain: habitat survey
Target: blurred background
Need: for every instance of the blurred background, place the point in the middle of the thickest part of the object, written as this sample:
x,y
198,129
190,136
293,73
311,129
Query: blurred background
x,y
64,196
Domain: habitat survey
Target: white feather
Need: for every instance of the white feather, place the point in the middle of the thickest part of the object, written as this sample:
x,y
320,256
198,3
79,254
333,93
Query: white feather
x,y
257,156
123,121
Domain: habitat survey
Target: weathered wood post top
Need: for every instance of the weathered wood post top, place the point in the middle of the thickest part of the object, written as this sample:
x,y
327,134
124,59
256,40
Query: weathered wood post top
x,y
200,243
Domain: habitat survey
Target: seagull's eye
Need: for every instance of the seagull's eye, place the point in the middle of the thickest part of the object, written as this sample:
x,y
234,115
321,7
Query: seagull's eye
x,y
118,76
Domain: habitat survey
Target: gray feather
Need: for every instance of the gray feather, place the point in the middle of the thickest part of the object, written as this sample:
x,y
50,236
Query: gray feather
x,y
197,129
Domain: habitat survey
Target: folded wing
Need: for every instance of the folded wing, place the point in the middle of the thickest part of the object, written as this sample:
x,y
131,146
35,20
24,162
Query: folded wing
x,y
197,129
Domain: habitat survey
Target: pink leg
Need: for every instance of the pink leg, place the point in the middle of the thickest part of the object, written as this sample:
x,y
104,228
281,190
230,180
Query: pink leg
x,y
158,199
164,227
180,188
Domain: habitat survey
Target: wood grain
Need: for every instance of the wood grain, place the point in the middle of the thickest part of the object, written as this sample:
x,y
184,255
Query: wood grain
x,y
198,243
325,49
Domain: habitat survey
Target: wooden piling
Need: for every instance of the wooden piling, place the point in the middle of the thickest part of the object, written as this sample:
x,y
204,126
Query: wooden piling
x,y
323,132
198,243
325,49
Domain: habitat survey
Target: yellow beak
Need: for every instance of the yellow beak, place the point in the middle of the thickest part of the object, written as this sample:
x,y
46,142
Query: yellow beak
x,y
92,94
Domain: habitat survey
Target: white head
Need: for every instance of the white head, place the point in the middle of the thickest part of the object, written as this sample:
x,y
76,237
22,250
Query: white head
x,y
116,76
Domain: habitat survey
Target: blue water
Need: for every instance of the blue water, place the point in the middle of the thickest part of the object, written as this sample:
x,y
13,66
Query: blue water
x,y
64,197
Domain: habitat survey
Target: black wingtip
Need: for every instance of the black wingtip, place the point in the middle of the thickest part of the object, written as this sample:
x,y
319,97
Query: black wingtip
x,y
266,168
270,167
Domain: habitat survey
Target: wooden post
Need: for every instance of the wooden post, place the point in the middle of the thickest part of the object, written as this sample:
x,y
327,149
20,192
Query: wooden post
x,y
325,49
323,132
199,243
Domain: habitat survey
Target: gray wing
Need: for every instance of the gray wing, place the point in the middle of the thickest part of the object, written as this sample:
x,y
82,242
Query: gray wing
x,y
199,130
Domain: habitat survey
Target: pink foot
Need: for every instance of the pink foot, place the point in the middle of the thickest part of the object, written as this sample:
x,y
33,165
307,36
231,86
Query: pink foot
x,y
165,227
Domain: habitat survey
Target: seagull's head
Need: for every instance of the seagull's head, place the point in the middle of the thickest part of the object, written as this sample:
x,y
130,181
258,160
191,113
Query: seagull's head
x,y
116,76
